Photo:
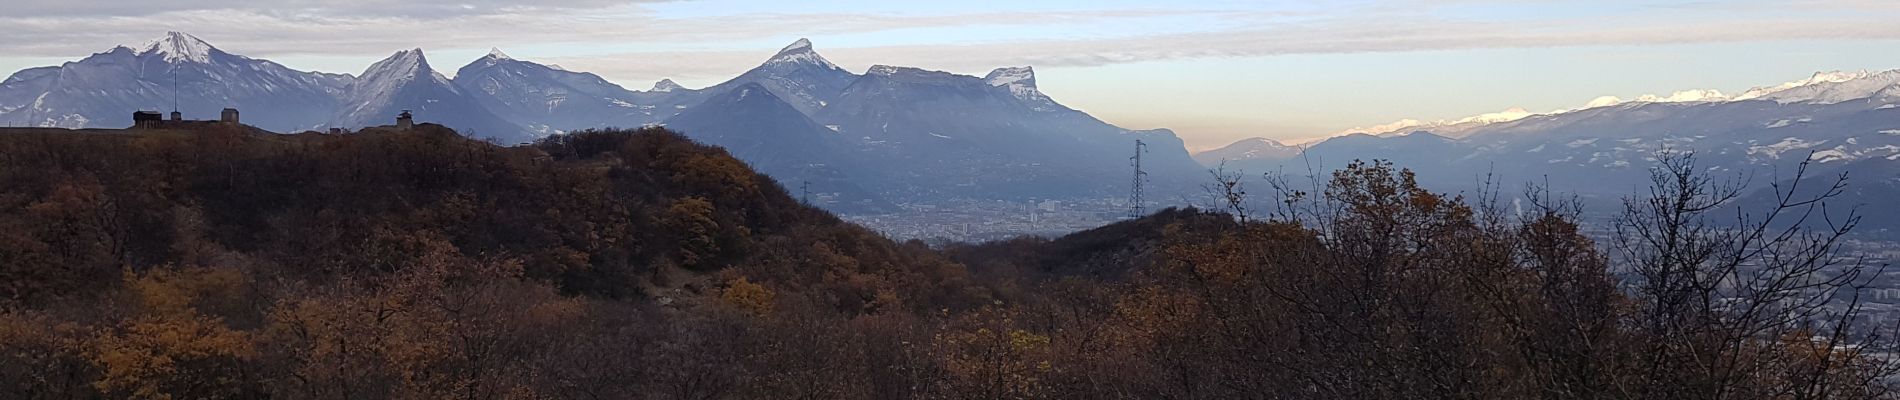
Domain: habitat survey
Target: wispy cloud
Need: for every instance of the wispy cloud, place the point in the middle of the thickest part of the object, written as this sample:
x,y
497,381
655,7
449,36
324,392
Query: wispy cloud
x,y
627,38
1318,36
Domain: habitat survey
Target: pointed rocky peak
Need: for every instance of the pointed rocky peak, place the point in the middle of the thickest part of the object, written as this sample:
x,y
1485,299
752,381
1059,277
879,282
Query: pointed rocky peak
x,y
404,66
1024,76
799,53
179,46
495,53
801,45
666,85
493,58
405,62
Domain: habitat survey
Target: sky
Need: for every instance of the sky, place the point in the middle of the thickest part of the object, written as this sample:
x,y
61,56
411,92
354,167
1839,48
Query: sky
x,y
1213,71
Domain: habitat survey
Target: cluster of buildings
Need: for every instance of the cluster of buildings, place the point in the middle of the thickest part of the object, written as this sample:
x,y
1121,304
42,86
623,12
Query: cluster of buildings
x,y
154,120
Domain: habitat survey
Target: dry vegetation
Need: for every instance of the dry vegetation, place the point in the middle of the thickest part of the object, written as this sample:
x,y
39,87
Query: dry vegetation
x,y
639,265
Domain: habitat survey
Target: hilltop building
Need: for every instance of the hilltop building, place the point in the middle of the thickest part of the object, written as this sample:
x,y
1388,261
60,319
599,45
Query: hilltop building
x,y
405,121
154,120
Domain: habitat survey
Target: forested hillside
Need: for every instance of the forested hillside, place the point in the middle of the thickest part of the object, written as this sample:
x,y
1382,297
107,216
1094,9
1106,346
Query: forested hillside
x,y
640,265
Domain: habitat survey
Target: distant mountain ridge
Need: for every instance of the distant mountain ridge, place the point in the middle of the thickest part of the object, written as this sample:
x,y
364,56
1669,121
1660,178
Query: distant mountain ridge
x,y
890,134
1842,122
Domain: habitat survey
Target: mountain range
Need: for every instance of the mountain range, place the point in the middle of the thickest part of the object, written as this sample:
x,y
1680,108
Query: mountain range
x,y
888,135
892,134
1841,122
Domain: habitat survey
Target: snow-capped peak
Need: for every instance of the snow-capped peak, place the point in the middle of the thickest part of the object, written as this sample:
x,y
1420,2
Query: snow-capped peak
x,y
1508,115
400,67
1832,87
495,52
1818,78
1686,96
410,60
802,44
1025,76
800,53
666,85
179,46
1602,101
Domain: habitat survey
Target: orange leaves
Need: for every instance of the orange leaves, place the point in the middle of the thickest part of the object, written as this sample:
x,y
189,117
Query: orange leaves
x,y
691,220
174,291
748,297
171,356
988,356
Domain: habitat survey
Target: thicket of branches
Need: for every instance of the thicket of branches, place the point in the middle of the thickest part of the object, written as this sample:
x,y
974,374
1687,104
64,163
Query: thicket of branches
x,y
638,265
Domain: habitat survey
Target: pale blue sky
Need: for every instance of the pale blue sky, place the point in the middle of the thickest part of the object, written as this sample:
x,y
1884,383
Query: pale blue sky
x,y
1214,71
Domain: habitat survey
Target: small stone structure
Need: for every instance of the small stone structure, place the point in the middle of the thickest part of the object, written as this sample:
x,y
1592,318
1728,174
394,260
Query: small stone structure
x,y
405,121
147,120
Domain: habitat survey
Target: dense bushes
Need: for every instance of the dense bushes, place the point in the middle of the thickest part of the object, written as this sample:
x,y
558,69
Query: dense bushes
x,y
637,264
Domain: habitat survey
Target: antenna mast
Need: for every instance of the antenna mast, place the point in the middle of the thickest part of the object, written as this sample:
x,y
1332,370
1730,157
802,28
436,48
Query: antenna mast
x,y
1136,208
804,193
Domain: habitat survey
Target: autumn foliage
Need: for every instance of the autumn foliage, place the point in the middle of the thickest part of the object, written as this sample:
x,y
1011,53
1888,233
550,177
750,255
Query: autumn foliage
x,y
640,265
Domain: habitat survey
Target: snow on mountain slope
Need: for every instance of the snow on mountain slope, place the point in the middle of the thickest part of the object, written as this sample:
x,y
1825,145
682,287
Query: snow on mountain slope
x,y
548,100
995,133
666,85
1246,152
797,74
405,81
1821,88
1021,82
177,71
1837,88
1818,78
176,47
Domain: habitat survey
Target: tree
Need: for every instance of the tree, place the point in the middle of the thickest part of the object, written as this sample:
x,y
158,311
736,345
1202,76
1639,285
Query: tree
x,y
1738,309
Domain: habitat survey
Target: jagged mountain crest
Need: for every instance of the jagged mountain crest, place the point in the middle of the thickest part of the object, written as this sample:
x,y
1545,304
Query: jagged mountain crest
x,y
547,99
406,82
940,127
666,85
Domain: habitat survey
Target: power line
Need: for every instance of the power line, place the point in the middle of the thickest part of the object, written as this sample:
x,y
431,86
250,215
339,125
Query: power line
x,y
1136,208
804,193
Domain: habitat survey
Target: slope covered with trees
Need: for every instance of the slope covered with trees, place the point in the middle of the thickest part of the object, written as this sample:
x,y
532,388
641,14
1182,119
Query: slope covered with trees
x,y
640,265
